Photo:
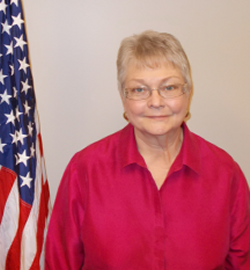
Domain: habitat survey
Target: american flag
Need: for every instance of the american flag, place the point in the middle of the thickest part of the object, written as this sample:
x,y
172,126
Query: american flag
x,y
24,191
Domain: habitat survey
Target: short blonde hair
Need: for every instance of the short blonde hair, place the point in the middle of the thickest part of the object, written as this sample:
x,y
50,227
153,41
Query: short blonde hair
x,y
152,49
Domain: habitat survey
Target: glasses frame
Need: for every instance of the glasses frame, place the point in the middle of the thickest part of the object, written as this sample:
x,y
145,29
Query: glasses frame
x,y
184,90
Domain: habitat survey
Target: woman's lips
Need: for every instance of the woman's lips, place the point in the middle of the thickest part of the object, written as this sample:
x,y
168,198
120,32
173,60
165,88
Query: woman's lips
x,y
158,117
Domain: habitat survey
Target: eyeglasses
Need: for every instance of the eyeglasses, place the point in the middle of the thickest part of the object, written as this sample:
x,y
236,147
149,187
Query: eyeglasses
x,y
166,91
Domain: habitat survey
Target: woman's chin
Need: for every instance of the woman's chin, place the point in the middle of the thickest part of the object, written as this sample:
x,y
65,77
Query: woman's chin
x,y
157,130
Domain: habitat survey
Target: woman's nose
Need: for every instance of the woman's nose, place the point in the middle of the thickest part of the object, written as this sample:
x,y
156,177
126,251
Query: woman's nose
x,y
155,99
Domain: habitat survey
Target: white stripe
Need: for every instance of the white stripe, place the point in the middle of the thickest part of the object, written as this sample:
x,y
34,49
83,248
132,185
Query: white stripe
x,y
9,223
42,258
44,171
37,121
29,240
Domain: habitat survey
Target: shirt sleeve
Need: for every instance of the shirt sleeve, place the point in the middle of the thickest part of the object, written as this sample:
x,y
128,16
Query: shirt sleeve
x,y
239,254
64,248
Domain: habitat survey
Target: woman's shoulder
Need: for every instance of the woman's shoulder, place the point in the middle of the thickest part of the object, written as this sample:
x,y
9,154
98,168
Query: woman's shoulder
x,y
209,151
103,149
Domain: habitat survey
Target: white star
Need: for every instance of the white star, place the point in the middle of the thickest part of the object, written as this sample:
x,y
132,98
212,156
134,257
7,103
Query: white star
x,y
32,150
22,158
14,137
5,97
23,64
11,118
26,86
12,70
6,27
15,2
10,48
14,92
20,42
26,180
2,76
17,20
1,145
3,7
30,128
18,113
26,107
20,136
16,157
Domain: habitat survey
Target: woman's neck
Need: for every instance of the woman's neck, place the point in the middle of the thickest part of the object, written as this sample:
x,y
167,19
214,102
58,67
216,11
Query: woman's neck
x,y
159,153
167,146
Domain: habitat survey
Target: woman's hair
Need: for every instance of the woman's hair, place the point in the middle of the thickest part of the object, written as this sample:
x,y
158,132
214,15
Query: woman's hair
x,y
152,49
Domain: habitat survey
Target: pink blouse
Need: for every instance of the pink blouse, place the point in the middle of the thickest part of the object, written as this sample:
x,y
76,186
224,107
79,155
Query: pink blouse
x,y
109,214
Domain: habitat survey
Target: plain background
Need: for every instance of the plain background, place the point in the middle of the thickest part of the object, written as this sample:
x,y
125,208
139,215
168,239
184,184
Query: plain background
x,y
73,47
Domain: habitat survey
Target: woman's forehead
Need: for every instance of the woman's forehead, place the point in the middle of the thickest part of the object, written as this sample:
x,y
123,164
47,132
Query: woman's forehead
x,y
150,62
142,66
149,74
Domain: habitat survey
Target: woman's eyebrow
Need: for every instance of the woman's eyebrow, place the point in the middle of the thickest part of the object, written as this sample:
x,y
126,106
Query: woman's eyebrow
x,y
143,81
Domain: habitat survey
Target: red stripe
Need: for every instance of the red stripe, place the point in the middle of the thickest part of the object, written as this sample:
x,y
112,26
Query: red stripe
x,y
7,179
43,214
14,254
40,144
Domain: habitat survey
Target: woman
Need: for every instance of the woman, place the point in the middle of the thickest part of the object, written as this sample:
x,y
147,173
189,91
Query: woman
x,y
153,195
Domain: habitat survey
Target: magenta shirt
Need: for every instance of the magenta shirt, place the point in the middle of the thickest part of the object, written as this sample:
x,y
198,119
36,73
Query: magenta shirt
x,y
109,214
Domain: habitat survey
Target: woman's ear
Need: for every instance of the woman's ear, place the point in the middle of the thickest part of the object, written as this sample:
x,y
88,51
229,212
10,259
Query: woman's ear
x,y
123,98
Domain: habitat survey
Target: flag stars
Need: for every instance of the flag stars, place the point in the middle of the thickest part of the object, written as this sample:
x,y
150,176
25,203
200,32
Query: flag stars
x,y
9,48
5,97
14,137
20,42
3,7
14,2
1,145
11,118
2,76
26,86
26,107
14,92
6,27
19,141
22,158
30,128
12,70
17,20
20,136
16,158
18,113
23,65
32,150
26,180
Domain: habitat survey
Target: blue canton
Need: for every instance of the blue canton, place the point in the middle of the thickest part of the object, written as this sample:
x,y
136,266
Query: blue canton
x,y
17,100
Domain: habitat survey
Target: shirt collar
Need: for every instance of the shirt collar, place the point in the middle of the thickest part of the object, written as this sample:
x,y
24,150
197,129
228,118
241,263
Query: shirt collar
x,y
128,150
189,153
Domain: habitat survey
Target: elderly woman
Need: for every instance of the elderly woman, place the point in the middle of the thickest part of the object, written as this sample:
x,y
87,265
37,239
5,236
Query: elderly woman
x,y
153,195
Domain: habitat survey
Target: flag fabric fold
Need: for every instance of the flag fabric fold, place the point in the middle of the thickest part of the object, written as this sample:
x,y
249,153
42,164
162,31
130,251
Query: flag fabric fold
x,y
24,191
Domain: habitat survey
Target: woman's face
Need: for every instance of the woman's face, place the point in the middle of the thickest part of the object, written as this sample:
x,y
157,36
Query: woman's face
x,y
155,115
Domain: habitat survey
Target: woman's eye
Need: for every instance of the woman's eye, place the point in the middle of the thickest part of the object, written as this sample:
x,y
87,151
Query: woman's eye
x,y
138,90
169,87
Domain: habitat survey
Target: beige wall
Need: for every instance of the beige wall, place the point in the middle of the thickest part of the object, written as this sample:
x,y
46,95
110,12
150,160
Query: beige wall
x,y
73,46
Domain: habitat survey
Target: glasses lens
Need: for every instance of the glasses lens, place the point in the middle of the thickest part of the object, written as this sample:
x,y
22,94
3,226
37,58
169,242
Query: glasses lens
x,y
171,90
137,93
